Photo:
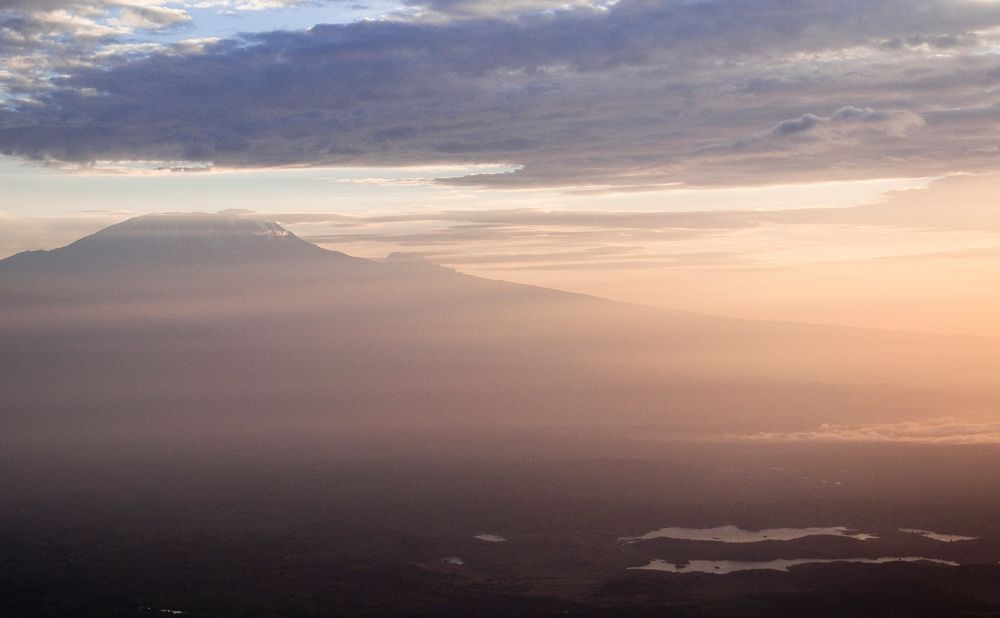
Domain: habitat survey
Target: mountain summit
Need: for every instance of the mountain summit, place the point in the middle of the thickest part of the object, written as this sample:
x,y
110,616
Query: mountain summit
x,y
227,322
179,238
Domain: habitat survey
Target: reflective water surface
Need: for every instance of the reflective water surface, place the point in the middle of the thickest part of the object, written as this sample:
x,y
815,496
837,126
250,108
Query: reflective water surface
x,y
733,534
721,567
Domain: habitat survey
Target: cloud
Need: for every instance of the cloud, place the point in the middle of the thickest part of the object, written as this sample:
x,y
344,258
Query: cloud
x,y
973,209
40,38
247,5
150,17
440,10
459,234
843,138
940,431
638,93
847,126
904,235
36,24
940,42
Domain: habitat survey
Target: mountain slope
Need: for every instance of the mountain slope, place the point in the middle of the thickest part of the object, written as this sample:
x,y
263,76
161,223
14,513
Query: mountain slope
x,y
215,324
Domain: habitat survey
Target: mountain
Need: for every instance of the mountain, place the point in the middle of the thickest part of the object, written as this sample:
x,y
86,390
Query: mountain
x,y
176,238
201,325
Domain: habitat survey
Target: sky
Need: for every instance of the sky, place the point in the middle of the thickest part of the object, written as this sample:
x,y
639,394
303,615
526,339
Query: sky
x,y
829,161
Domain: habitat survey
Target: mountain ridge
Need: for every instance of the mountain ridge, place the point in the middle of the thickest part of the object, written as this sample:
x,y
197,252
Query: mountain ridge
x,y
232,235
320,339
179,237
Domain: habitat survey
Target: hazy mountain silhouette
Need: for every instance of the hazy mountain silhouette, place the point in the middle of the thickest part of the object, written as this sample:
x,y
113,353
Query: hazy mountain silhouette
x,y
188,325
176,238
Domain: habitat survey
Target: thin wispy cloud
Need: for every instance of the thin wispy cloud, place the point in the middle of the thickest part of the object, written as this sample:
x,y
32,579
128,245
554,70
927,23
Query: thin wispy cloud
x,y
938,431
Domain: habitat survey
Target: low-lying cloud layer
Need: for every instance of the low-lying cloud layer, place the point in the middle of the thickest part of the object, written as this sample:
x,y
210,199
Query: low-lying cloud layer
x,y
636,93
941,431
438,233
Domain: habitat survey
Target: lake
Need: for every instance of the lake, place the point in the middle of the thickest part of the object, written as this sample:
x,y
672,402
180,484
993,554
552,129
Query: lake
x,y
722,567
733,534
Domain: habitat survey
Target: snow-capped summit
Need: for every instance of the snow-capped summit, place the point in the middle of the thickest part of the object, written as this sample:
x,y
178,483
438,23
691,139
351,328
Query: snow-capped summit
x,y
181,238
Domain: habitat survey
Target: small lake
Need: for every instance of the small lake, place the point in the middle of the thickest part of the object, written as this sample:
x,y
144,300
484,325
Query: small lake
x,y
722,567
490,538
732,534
937,536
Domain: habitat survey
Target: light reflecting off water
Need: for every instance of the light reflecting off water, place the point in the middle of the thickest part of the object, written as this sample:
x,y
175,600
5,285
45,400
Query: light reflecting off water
x,y
721,567
453,560
937,536
490,538
732,534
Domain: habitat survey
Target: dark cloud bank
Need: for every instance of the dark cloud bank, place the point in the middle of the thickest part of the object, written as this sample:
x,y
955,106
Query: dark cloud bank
x,y
643,92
